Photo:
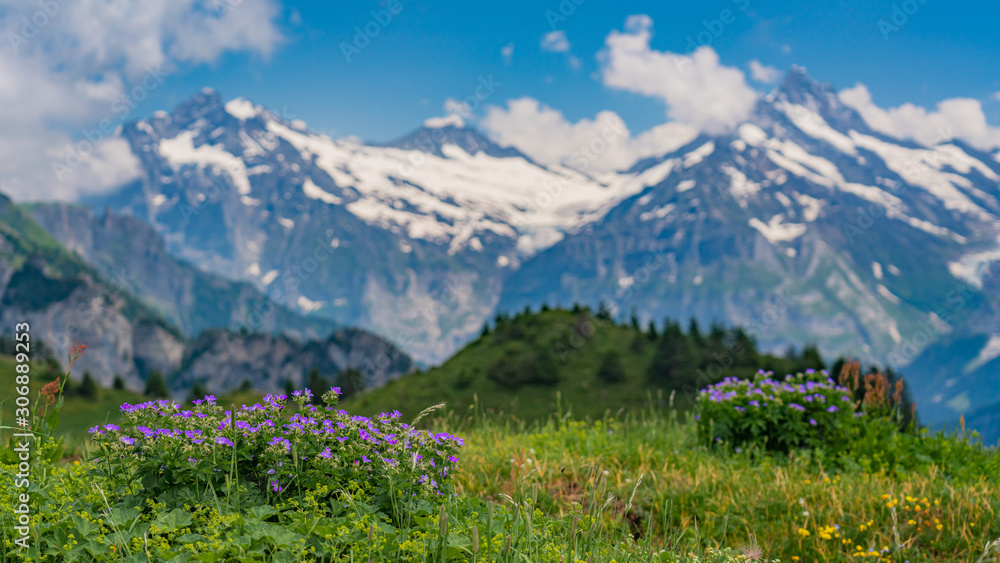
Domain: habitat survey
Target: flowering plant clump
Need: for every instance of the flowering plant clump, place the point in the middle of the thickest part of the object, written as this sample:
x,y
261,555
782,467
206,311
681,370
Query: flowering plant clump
x,y
278,453
803,410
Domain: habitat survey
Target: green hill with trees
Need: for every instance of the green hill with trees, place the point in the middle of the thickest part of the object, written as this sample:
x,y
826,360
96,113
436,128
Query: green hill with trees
x,y
595,363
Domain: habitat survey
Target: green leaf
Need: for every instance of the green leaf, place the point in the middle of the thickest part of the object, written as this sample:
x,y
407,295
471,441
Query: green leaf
x,y
263,512
52,421
283,557
84,526
176,518
124,517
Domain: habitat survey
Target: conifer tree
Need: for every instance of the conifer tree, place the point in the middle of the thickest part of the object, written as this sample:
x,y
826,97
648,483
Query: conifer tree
x,y
156,386
611,370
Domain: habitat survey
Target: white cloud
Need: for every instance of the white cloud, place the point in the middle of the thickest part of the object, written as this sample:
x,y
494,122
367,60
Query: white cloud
x,y
960,118
600,144
92,60
456,112
764,73
555,42
457,107
696,89
507,52
996,96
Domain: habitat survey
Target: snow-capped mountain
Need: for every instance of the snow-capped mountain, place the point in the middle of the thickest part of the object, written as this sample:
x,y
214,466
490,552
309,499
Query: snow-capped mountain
x,y
411,239
802,224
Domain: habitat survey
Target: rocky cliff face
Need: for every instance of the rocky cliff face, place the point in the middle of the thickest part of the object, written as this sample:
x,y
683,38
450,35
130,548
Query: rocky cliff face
x,y
131,253
65,300
222,361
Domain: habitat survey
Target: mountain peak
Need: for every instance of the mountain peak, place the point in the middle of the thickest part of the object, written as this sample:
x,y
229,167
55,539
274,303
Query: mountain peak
x,y
799,88
206,104
451,130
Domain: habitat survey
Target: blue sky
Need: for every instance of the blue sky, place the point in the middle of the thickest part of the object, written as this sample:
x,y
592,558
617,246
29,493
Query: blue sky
x,y
559,70
431,51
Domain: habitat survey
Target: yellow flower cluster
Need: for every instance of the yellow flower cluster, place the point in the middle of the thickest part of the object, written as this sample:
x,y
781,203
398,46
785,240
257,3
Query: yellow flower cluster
x,y
862,552
829,532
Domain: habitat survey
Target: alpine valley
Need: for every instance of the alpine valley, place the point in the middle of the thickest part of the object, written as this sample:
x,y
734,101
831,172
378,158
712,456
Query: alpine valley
x,y
803,225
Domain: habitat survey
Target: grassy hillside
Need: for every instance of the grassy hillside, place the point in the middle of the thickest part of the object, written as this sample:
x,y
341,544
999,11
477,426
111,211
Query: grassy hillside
x,y
668,487
520,363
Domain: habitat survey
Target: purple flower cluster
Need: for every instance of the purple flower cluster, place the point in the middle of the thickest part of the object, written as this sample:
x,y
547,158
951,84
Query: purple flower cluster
x,y
770,409
314,446
765,389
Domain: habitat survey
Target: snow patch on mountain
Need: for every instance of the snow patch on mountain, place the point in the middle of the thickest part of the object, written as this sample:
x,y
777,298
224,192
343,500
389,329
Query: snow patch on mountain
x,y
657,213
685,186
974,267
269,277
752,135
740,186
450,198
315,192
884,292
776,230
309,306
810,123
922,167
699,154
989,352
241,108
655,174
180,151
811,206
